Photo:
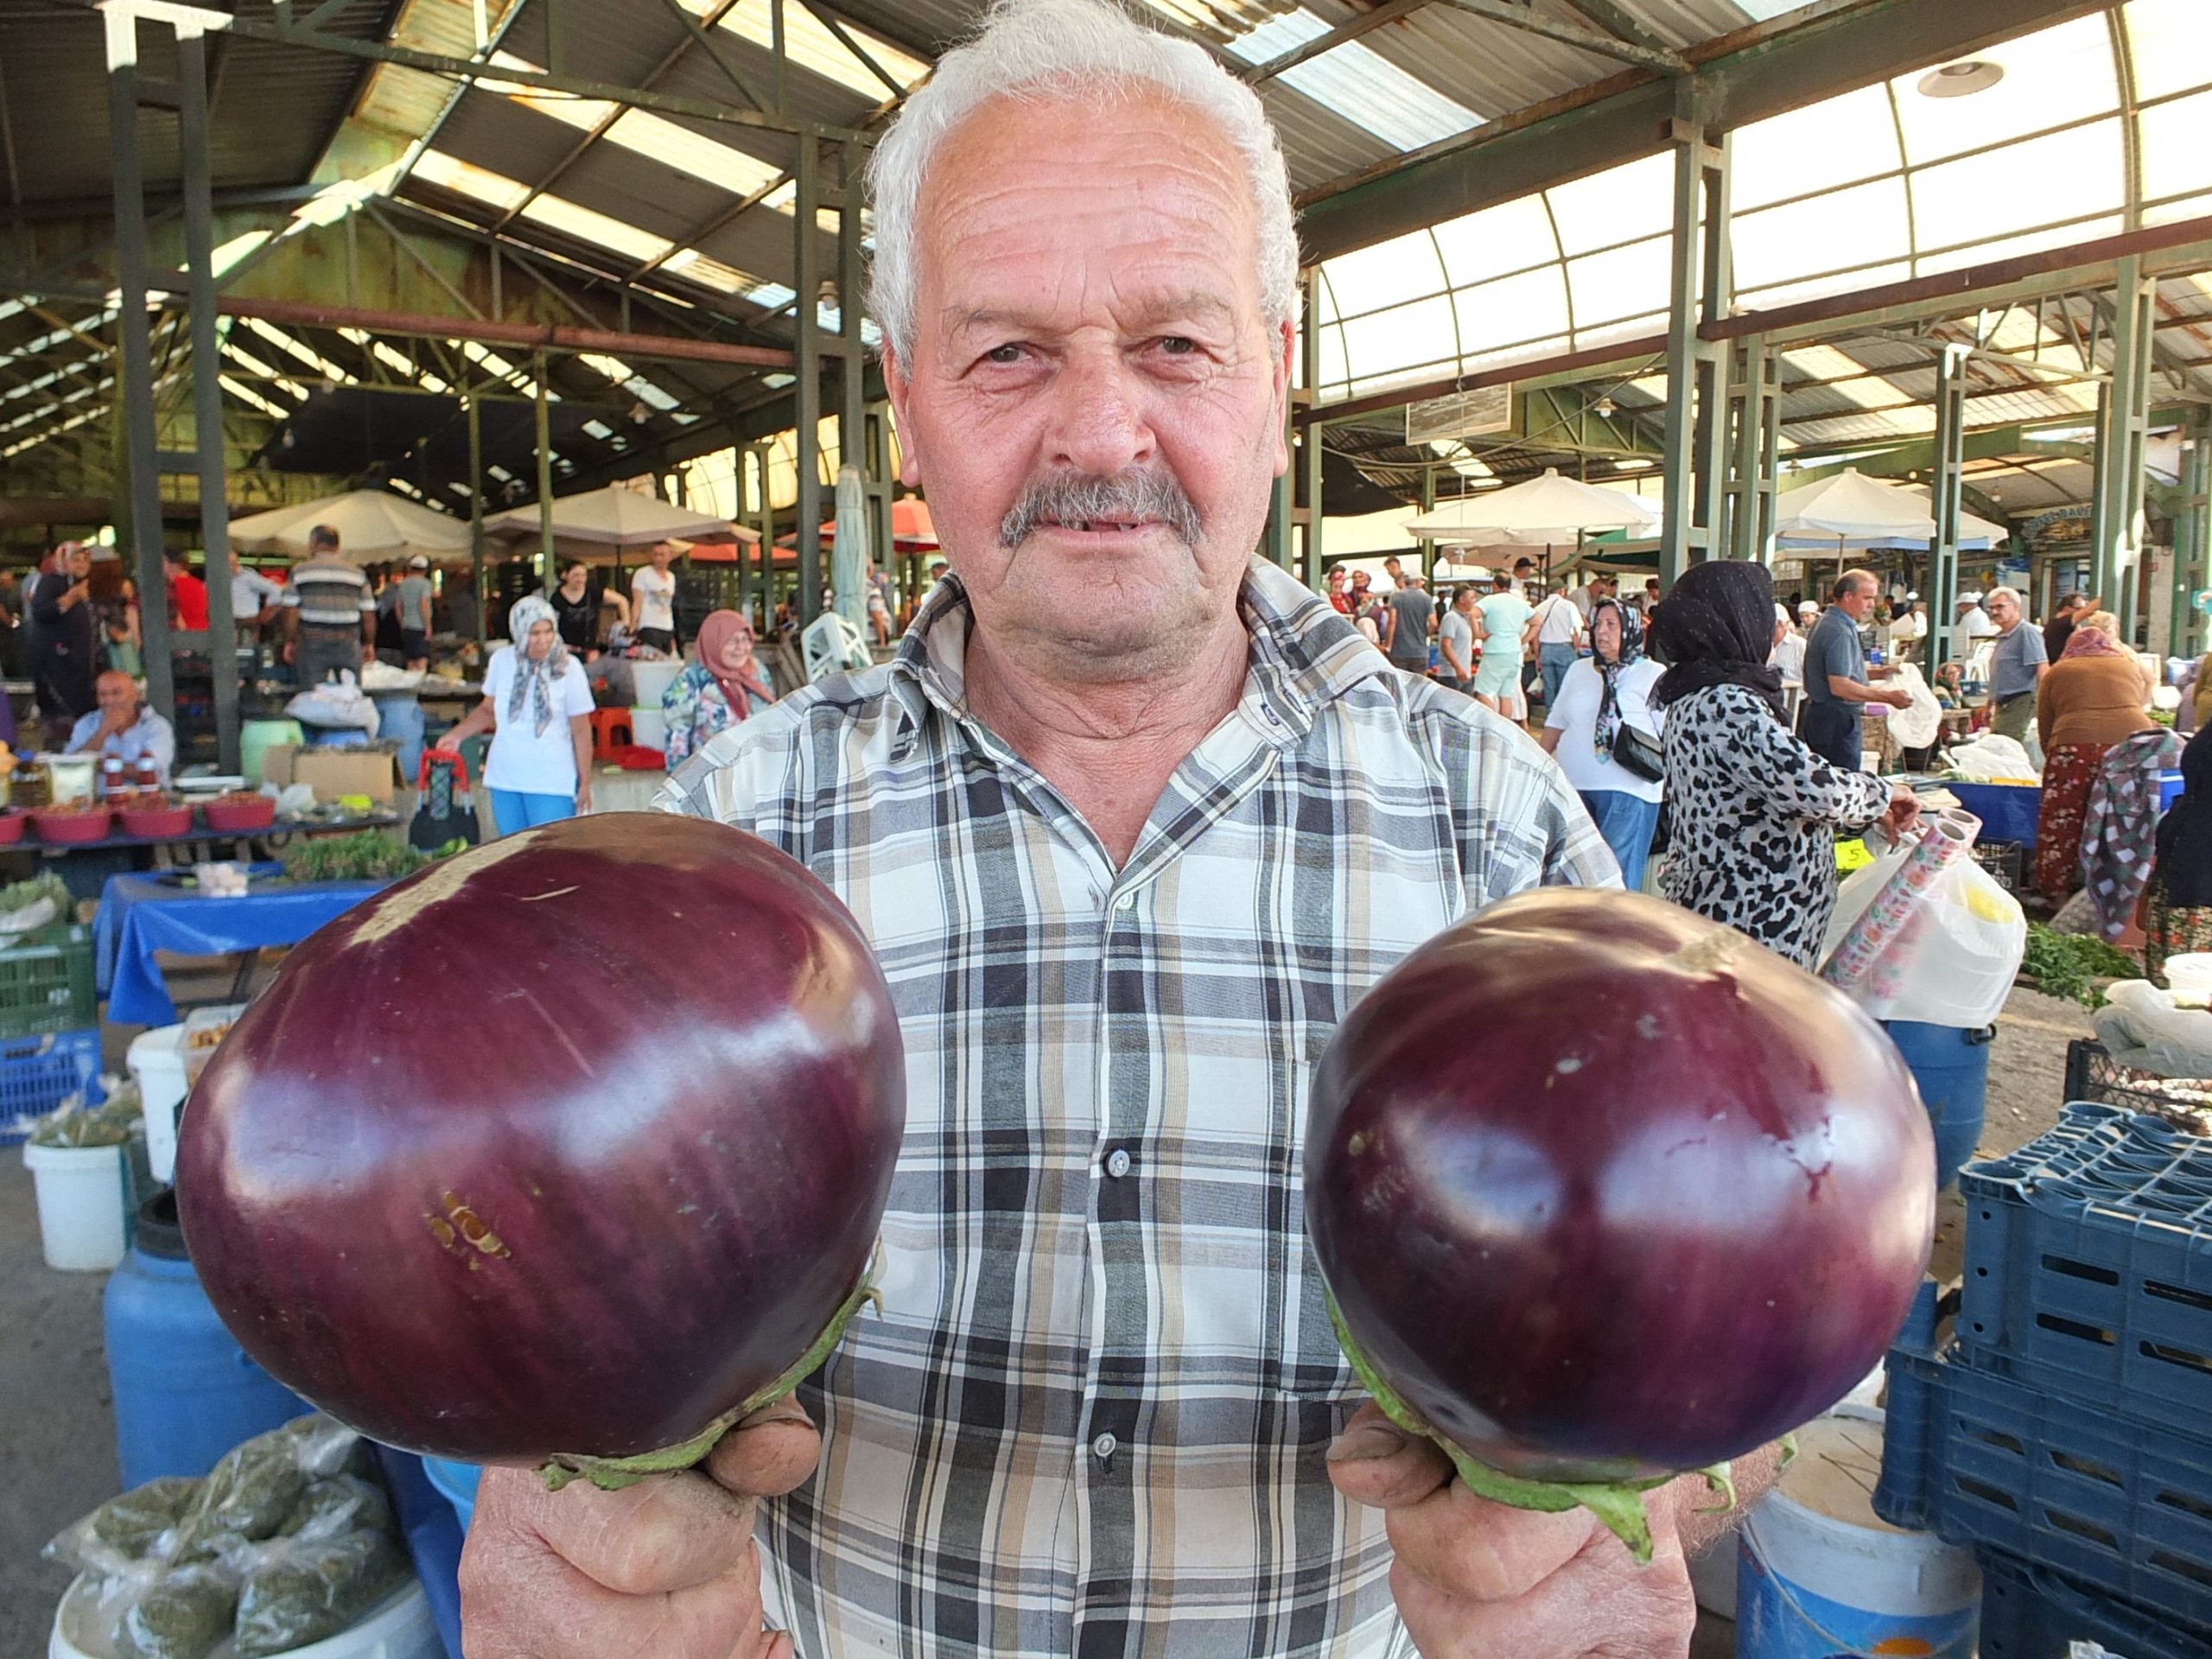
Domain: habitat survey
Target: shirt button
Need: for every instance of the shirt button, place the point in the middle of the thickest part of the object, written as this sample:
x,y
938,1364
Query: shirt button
x,y
1104,1447
1117,1163
1127,900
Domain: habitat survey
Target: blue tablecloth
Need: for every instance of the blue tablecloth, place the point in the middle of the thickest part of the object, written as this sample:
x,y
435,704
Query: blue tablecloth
x,y
140,914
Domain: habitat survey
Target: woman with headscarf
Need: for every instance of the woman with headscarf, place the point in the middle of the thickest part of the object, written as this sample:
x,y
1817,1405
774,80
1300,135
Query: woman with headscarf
x,y
538,707
2095,696
1752,813
1598,695
727,683
2177,913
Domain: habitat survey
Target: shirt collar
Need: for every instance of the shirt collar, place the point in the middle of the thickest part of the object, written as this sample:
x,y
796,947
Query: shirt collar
x,y
1304,655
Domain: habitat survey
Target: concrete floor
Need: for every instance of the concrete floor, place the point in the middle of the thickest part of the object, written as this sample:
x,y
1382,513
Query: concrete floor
x,y
57,1448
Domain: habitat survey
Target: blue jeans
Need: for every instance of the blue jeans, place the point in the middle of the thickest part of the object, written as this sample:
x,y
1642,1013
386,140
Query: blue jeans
x,y
1553,660
1626,823
512,810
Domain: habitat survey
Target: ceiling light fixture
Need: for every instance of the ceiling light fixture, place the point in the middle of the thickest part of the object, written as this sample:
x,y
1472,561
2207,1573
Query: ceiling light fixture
x,y
1962,79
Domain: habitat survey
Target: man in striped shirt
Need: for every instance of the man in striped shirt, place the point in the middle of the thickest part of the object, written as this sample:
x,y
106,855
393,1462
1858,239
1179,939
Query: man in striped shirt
x,y
328,611
1131,820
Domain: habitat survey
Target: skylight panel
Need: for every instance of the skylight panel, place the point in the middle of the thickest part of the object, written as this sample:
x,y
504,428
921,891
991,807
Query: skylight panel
x,y
1853,382
1357,84
295,348
232,349
629,379
247,395
587,224
810,46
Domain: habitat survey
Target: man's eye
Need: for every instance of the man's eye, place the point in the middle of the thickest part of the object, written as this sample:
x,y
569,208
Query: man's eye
x,y
1003,354
1177,345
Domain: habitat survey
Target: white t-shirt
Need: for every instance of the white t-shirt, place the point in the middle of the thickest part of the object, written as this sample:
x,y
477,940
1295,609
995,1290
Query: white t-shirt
x,y
1457,632
1574,716
1789,656
1975,626
523,759
1558,621
652,599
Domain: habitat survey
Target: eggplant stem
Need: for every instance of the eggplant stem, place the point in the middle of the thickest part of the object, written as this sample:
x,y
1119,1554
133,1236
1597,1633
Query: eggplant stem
x,y
1618,1504
613,1474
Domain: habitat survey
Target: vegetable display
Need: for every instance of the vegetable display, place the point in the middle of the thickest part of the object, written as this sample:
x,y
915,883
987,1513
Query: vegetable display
x,y
568,1151
2069,965
1603,1192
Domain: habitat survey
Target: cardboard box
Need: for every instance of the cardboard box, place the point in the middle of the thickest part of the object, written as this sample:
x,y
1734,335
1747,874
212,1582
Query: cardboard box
x,y
331,772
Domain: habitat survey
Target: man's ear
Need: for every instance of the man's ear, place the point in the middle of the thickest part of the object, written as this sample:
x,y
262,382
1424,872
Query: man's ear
x,y
899,389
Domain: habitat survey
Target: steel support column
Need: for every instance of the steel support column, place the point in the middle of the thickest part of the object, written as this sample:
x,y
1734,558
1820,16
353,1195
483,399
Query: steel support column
x,y
141,487
1309,436
880,475
2123,431
1758,455
2192,539
806,282
1946,482
545,572
1697,369
207,394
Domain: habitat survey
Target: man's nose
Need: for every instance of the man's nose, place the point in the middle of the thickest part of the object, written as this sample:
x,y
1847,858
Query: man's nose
x,y
1099,425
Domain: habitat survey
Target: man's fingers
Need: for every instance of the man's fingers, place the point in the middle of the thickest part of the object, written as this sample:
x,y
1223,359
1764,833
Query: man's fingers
x,y
1470,1547
769,1453
1372,1462
542,1607
1597,1602
666,1533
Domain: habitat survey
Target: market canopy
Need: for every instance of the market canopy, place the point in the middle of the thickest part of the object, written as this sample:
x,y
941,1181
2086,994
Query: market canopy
x,y
368,523
1849,510
1547,511
615,517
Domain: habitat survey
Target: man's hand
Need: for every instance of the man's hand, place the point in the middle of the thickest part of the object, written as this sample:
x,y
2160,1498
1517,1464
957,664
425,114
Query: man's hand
x,y
666,1569
1475,1579
1898,698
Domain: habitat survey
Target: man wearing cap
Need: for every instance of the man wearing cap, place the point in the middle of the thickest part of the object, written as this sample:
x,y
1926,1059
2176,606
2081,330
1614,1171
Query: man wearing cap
x,y
1907,630
414,607
1969,629
328,611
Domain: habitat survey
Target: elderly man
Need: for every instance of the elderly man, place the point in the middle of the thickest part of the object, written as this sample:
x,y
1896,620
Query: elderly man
x,y
124,727
1836,688
1131,819
2017,666
329,611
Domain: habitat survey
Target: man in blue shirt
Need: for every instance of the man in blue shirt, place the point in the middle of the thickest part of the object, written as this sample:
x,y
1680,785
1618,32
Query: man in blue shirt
x,y
1836,690
2017,666
124,727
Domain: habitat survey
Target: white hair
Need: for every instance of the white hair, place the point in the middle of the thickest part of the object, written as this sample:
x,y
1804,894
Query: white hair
x,y
1078,51
2012,593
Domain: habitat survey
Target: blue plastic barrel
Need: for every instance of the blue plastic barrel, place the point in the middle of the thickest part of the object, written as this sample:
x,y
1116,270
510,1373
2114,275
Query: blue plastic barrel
x,y
1951,1065
185,1393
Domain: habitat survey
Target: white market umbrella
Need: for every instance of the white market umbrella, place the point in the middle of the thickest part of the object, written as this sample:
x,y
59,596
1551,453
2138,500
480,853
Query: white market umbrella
x,y
1547,512
614,516
371,524
848,547
1851,511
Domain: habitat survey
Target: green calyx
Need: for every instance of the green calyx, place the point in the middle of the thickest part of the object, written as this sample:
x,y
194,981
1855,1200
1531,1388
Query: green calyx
x,y
1619,1504
612,1474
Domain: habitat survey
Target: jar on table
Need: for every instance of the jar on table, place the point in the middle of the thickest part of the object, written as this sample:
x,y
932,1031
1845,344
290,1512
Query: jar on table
x,y
114,779
149,775
31,786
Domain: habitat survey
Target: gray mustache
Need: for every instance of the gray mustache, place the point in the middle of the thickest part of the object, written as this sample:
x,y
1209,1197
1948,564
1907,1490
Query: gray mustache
x,y
1069,499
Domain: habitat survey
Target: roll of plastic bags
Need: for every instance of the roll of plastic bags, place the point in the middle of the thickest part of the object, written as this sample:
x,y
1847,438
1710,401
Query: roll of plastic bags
x,y
1952,960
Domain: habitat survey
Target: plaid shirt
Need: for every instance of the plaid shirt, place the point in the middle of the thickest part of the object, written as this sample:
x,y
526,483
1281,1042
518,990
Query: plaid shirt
x,y
1093,1417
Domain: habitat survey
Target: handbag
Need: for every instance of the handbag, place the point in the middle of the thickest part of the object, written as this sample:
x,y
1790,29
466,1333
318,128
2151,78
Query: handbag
x,y
1639,753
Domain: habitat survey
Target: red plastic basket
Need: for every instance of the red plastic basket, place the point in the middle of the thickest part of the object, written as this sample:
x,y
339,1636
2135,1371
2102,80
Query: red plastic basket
x,y
63,825
11,826
239,818
156,820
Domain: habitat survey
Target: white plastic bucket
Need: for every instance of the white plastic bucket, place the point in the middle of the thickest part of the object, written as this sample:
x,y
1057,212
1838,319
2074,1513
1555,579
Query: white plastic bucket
x,y
2189,978
1818,1574
83,1205
651,679
400,1628
649,726
157,1060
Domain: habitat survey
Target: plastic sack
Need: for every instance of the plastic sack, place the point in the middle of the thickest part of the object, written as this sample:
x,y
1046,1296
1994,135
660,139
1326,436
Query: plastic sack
x,y
301,1589
1921,721
1993,760
183,1616
2139,1018
1954,964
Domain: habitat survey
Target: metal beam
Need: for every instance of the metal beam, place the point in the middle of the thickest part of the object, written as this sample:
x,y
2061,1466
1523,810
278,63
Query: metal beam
x,y
1661,60
806,284
1616,19
2192,519
543,336
1391,11
1697,369
1946,488
2123,432
1764,70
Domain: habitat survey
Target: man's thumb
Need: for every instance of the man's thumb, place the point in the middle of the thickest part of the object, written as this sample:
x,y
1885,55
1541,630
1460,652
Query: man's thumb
x,y
767,1454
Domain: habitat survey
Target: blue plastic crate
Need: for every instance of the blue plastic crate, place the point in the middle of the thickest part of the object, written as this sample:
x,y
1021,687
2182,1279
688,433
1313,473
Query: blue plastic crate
x,y
2031,1612
1981,1460
2088,1265
2007,812
38,1073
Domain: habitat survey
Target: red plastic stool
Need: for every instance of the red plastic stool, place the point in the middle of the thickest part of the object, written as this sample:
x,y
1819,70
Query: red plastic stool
x,y
610,730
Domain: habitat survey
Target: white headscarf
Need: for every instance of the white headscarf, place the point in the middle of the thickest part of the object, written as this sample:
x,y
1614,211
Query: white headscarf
x,y
534,676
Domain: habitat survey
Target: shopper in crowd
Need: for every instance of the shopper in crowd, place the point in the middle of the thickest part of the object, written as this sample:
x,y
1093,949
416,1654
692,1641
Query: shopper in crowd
x,y
390,640
1752,812
187,595
1501,629
1339,594
1651,600
1559,635
1787,659
1837,687
1908,630
69,645
2056,632
1405,635
1969,628
1073,814
2017,666
464,616
411,604
115,612
255,601
538,707
653,601
727,683
2177,910
123,726
1455,639
579,601
2097,695
1602,695
329,612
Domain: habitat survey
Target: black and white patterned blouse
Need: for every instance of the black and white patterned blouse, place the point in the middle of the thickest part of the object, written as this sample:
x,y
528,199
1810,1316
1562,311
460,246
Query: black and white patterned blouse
x,y
1752,817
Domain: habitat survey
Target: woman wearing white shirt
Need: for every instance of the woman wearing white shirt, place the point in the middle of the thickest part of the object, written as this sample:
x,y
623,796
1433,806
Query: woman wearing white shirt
x,y
538,707
1601,693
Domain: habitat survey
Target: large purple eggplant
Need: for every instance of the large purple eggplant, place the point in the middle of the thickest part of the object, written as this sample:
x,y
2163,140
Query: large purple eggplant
x,y
564,1151
1603,1191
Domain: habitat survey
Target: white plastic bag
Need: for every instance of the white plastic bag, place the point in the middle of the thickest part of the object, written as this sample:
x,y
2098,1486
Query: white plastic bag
x,y
1921,721
1956,960
2176,1042
1994,759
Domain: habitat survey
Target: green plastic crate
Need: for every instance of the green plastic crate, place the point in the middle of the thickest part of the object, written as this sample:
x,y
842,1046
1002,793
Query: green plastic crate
x,y
47,984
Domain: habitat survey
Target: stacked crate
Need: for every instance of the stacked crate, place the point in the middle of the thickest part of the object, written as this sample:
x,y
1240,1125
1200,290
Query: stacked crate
x,y
2065,1433
49,1026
